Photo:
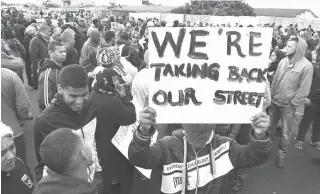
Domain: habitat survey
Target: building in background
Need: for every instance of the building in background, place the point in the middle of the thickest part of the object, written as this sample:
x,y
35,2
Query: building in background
x,y
288,13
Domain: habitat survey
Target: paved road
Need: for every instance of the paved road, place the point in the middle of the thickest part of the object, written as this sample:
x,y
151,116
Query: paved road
x,y
300,176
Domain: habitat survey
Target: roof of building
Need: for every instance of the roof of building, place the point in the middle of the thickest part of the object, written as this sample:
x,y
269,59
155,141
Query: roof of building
x,y
291,13
143,8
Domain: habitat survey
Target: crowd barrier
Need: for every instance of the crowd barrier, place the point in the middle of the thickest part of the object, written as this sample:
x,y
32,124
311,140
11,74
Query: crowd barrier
x,y
241,20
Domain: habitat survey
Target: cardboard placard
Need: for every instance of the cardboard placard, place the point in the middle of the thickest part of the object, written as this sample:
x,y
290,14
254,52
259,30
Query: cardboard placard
x,y
123,138
208,75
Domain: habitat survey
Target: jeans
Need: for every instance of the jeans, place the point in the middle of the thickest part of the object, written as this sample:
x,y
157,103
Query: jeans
x,y
286,114
29,71
311,114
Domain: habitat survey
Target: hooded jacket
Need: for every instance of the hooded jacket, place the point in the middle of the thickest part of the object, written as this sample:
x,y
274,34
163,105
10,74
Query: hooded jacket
x,y
55,183
47,81
176,158
38,49
58,115
292,80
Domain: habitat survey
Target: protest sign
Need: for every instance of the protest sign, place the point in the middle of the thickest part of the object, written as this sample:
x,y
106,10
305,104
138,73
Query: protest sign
x,y
208,75
123,138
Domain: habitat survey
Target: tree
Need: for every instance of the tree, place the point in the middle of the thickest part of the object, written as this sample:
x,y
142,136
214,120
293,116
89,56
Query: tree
x,y
217,8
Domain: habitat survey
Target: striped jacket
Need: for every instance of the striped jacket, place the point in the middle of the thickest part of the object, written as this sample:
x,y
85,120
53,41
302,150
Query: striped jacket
x,y
47,82
185,171
88,56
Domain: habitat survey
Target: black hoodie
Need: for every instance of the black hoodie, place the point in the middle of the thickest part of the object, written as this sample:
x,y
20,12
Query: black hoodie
x,y
47,81
58,115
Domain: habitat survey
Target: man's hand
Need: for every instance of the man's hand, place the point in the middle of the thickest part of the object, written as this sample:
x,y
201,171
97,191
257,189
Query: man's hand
x,y
307,102
260,124
147,118
120,90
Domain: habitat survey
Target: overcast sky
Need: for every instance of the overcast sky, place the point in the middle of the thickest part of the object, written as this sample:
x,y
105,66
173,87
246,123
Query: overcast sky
x,y
314,5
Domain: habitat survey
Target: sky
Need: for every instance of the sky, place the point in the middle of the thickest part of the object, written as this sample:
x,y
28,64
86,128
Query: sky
x,y
313,5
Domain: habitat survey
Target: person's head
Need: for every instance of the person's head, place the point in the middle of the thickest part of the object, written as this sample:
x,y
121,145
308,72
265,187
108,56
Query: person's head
x,y
95,36
139,22
30,30
134,37
146,34
316,35
302,34
188,24
123,38
60,22
67,38
128,25
82,21
8,23
308,56
276,56
20,21
45,29
64,152
291,47
198,134
8,150
73,86
315,56
57,51
96,22
110,37
48,20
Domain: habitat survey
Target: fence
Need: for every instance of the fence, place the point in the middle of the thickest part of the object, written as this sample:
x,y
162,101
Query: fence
x,y
241,20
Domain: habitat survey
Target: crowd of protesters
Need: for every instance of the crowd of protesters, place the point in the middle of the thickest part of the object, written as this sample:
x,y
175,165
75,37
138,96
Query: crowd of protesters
x,y
92,70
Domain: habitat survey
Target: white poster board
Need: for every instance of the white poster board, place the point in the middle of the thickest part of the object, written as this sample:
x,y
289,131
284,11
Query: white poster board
x,y
198,88
123,138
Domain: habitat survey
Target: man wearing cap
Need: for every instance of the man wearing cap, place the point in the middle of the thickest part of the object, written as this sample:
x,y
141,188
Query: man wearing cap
x,y
39,50
15,45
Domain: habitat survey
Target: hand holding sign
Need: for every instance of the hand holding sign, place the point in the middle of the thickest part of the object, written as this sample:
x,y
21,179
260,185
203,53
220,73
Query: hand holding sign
x,y
147,118
260,124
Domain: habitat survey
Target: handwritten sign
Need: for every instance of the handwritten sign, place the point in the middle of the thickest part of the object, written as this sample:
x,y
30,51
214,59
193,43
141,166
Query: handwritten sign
x,y
208,75
123,138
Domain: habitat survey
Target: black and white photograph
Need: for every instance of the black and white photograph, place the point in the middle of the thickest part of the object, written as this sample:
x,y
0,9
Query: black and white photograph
x,y
160,97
